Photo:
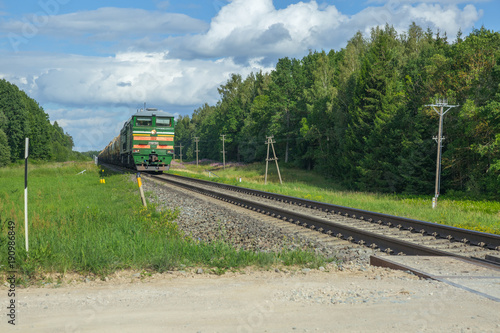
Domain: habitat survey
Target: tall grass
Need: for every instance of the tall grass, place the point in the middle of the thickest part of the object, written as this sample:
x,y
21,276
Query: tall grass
x,y
78,224
480,215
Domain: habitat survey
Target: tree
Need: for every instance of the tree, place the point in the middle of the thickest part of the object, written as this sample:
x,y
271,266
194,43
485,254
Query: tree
x,y
184,133
14,109
4,144
376,130
318,128
21,117
285,92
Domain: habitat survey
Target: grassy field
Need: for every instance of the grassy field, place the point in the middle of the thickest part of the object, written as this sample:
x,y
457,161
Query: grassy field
x,y
480,215
79,225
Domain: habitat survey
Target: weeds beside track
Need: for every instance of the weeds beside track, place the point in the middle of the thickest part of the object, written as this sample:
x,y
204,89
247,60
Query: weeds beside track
x,y
79,225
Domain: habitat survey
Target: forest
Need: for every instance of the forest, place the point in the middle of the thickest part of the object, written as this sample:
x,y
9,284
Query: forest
x,y
359,115
22,117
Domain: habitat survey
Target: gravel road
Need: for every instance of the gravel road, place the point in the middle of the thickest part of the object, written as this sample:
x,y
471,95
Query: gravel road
x,y
353,300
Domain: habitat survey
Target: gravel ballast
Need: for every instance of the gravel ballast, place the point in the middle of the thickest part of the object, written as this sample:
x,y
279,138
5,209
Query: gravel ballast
x,y
208,220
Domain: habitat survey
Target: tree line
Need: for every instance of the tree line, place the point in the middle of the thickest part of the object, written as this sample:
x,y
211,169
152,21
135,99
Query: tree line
x,y
358,115
22,117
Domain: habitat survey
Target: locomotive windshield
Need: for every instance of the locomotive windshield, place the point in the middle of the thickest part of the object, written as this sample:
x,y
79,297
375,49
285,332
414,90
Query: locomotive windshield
x,y
163,122
143,121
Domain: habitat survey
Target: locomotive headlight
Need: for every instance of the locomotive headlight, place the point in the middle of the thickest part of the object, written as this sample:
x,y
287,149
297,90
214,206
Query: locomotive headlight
x,y
153,132
136,151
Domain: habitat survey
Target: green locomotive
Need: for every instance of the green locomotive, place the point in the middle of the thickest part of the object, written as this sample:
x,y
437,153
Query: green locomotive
x,y
146,142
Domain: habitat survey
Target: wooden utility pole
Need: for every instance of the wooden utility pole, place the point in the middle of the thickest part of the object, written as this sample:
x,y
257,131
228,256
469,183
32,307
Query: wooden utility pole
x,y
223,151
180,151
270,142
441,104
196,140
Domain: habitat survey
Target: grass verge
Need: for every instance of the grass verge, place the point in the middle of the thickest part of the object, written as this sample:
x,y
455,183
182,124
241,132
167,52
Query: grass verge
x,y
77,224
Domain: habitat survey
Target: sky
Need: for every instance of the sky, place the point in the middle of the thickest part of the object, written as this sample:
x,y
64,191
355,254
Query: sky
x,y
91,64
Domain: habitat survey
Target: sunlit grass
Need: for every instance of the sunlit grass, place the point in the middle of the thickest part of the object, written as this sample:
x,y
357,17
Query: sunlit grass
x,y
79,225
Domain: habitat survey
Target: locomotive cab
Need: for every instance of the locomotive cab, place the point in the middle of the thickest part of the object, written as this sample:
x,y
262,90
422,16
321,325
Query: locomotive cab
x,y
148,140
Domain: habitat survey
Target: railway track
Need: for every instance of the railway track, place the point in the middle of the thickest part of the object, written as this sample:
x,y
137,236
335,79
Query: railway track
x,y
386,233
389,234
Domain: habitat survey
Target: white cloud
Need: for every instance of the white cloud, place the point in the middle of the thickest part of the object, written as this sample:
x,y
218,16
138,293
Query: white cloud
x,y
446,18
250,29
246,30
127,78
105,24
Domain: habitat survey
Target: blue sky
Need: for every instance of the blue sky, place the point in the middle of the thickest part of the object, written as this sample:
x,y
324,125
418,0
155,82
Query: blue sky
x,y
91,64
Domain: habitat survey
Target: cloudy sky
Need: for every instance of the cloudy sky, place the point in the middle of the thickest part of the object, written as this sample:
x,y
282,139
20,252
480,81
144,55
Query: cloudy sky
x,y
91,64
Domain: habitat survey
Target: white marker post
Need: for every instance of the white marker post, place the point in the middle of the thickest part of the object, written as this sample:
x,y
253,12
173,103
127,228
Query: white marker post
x,y
26,191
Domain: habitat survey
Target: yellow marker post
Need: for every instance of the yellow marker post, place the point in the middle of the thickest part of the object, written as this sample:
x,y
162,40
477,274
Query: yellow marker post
x,y
139,182
102,180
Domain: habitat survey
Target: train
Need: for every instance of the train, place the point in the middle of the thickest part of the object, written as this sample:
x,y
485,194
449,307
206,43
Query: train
x,y
145,143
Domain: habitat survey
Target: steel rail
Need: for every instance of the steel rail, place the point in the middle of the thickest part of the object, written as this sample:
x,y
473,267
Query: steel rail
x,y
477,238
384,243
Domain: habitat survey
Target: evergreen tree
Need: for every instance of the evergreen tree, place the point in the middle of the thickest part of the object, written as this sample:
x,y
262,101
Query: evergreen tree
x,y
4,144
286,91
373,139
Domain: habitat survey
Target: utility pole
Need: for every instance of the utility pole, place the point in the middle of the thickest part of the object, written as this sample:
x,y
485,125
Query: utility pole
x,y
441,104
223,150
196,140
180,151
270,142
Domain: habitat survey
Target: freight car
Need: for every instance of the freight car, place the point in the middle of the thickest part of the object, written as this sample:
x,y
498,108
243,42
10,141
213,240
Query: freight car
x,y
146,142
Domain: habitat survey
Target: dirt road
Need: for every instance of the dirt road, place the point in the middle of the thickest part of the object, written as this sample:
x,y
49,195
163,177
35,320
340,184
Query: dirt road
x,y
354,300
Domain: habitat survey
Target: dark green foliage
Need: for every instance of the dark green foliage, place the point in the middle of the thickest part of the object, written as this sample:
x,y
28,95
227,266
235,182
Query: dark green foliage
x,y
4,144
358,115
21,117
4,149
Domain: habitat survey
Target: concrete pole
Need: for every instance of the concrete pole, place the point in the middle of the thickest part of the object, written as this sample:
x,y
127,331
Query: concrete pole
x,y
223,151
267,158
441,104
197,139
438,159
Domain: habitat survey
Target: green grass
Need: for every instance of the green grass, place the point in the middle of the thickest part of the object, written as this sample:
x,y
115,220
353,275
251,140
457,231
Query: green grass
x,y
480,215
77,224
